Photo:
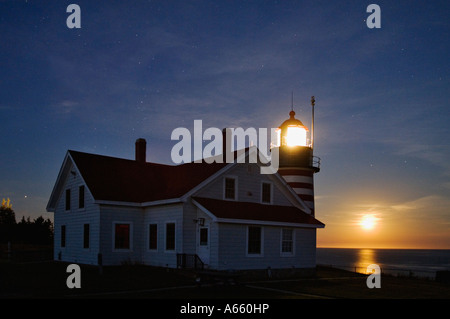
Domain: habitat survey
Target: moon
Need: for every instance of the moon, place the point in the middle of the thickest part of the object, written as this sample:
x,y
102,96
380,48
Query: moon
x,y
368,222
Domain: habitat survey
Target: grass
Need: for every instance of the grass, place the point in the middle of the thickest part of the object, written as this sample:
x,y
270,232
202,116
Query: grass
x,y
355,288
48,280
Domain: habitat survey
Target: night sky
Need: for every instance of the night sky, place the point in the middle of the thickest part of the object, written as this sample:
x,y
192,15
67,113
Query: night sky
x,y
143,68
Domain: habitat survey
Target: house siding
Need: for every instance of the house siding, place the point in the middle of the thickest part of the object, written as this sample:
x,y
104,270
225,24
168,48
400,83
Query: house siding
x,y
214,246
232,252
161,215
109,216
74,220
189,228
249,184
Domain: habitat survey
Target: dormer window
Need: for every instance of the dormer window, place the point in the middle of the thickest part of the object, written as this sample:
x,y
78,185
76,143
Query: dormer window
x,y
81,196
266,193
230,187
68,199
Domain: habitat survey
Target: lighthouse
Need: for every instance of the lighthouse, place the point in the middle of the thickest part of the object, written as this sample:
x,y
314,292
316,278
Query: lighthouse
x,y
297,164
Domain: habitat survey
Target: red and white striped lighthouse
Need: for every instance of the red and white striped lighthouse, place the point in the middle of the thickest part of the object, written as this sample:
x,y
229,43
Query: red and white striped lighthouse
x,y
297,165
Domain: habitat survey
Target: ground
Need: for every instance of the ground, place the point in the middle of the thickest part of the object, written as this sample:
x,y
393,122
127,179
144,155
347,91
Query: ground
x,y
48,280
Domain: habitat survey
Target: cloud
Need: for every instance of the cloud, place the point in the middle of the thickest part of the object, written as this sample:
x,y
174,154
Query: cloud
x,y
434,154
426,212
431,206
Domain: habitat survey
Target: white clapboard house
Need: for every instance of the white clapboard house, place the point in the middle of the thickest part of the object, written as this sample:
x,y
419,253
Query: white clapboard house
x,y
222,215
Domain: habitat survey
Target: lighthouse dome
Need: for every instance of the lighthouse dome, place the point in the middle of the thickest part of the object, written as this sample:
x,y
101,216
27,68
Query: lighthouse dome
x,y
292,121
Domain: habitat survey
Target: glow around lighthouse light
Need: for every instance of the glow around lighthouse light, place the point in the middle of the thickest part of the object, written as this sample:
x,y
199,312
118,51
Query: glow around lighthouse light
x,y
296,136
292,133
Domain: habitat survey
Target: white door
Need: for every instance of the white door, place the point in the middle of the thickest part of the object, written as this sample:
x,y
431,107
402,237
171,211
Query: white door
x,y
203,250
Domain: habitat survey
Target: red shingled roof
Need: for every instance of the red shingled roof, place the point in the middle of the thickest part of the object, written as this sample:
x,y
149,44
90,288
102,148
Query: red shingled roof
x,y
116,179
254,211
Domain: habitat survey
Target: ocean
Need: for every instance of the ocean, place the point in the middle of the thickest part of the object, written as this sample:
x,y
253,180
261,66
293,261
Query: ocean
x,y
402,262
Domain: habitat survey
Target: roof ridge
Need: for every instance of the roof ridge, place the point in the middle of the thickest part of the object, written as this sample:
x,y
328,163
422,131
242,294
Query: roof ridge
x,y
235,152
120,158
118,179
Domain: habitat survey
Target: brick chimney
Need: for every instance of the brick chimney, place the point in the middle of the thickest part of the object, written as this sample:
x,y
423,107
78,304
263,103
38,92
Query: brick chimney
x,y
141,150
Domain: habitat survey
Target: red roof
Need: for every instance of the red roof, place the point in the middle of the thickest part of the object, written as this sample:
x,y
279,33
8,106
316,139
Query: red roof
x,y
123,180
116,179
254,211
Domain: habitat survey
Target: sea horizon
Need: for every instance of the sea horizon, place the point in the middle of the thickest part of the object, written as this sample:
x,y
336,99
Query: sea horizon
x,y
419,262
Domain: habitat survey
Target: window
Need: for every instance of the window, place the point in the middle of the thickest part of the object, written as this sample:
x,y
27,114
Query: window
x,y
287,241
230,188
86,236
153,236
63,235
266,195
170,236
204,236
122,236
81,196
68,199
254,240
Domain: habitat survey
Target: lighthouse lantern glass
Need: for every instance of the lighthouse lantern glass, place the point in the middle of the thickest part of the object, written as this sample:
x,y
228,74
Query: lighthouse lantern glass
x,y
278,138
296,136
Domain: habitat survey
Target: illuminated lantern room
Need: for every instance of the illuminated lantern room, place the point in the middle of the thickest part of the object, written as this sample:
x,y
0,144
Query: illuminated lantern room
x,y
292,132
294,142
